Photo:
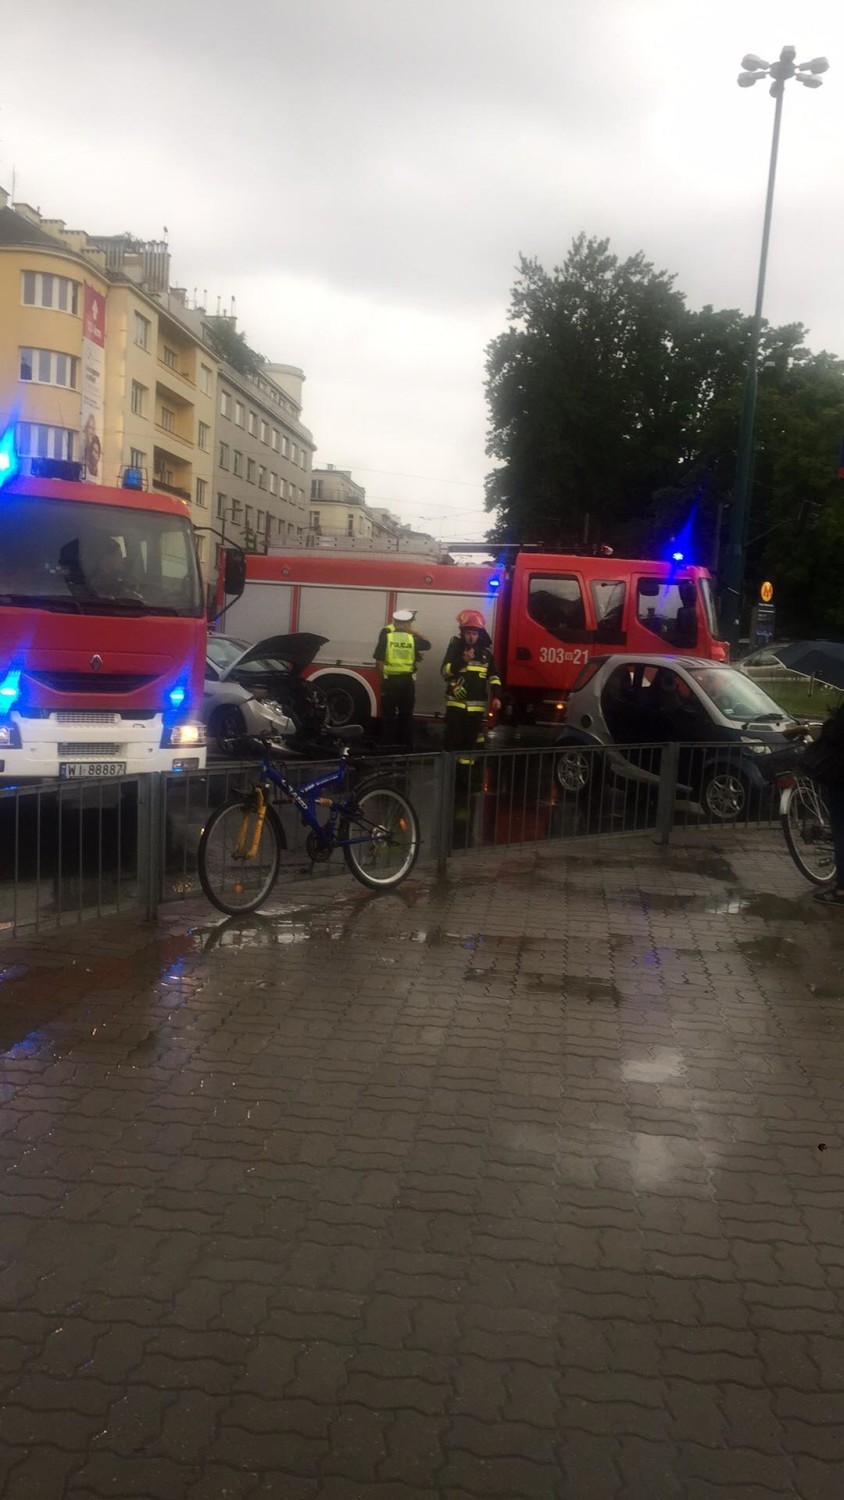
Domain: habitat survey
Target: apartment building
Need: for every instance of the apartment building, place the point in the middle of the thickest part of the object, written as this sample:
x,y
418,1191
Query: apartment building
x,y
338,507
262,455
101,363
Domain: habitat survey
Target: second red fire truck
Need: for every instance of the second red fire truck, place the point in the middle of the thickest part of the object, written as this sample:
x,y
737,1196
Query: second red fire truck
x,y
548,614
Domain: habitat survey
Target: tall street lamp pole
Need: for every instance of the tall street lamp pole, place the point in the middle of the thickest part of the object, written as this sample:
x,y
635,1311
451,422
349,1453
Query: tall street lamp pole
x,y
733,580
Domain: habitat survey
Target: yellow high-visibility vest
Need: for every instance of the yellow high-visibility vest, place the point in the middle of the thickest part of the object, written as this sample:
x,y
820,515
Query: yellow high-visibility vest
x,y
400,653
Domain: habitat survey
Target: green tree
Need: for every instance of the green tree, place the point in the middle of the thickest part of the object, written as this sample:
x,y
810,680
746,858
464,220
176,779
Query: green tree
x,y
614,414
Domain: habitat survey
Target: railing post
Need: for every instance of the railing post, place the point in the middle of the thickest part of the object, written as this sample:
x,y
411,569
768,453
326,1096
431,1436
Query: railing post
x,y
669,770
445,811
151,814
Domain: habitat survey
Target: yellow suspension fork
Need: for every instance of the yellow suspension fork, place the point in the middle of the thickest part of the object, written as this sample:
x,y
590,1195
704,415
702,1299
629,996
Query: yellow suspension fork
x,y
240,849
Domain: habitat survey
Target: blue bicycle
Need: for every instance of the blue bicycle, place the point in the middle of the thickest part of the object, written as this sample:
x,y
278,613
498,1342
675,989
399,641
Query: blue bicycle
x,y
242,843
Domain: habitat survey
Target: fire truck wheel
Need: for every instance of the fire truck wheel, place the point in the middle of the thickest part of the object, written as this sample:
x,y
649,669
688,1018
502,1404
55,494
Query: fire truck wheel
x,y
228,728
346,700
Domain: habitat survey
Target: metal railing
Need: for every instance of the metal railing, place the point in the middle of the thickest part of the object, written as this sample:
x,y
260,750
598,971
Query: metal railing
x,y
69,851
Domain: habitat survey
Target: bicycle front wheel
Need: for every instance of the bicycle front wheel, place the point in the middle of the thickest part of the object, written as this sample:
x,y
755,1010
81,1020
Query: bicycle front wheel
x,y
385,832
805,824
238,860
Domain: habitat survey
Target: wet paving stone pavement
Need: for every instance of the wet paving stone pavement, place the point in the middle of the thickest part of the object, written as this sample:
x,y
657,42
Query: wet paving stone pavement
x,y
524,1183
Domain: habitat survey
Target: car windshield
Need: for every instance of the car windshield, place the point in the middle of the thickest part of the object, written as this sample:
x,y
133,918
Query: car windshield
x,y
224,650
75,555
734,695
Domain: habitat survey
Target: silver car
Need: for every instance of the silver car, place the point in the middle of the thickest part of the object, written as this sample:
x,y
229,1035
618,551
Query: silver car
x,y
724,723
231,713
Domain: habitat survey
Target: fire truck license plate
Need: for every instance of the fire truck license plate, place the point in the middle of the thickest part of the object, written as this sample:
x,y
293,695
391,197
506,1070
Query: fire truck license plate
x,y
69,770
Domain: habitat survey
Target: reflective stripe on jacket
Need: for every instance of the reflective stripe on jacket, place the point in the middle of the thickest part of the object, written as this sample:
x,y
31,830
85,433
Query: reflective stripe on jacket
x,y
475,677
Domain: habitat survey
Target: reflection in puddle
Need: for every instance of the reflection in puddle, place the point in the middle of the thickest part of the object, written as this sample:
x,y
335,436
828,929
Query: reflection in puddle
x,y
653,1159
663,1065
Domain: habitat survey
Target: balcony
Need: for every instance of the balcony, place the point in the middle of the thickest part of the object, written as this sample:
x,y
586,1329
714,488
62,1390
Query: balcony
x,y
178,388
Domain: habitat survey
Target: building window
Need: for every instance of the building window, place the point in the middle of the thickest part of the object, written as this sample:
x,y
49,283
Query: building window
x,y
202,492
56,292
250,471
253,423
293,450
137,459
224,455
221,505
275,440
225,404
205,379
139,396
282,488
262,477
49,367
247,517
315,520
350,526
273,482
238,413
259,522
285,447
316,489
142,328
169,357
236,512
264,432
36,440
200,547
168,419
203,433
237,466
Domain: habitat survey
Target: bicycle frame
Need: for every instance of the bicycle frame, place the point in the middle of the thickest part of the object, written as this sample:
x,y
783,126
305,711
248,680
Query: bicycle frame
x,y
307,799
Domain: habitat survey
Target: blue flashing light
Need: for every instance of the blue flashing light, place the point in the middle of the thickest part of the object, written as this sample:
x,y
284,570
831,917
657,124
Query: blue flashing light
x,y
677,556
133,479
9,690
494,584
9,463
177,696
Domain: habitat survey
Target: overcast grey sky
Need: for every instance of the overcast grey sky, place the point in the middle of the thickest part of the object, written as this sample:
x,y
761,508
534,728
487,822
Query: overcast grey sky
x,y
361,175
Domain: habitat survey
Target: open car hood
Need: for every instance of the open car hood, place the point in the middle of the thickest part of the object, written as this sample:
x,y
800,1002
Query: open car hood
x,y
298,649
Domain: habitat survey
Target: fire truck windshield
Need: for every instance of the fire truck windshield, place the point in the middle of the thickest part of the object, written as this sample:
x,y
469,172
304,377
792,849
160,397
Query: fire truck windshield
x,y
98,559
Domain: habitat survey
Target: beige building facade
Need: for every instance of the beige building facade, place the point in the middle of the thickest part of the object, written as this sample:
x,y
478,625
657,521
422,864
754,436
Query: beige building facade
x,y
262,457
338,507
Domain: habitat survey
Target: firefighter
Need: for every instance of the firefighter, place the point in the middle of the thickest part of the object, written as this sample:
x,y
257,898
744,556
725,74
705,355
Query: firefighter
x,y
472,684
397,654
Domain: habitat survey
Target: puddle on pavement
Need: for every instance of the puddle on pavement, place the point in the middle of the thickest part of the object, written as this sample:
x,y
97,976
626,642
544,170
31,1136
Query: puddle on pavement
x,y
662,1067
575,987
701,862
771,948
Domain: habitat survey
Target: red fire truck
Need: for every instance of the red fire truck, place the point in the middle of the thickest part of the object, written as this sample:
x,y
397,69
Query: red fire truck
x,y
102,627
547,613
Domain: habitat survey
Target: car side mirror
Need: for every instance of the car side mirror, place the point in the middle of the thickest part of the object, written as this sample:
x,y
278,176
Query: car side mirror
x,y
234,572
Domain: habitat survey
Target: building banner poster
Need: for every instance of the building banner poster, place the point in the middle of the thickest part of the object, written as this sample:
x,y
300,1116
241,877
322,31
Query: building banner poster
x,y
93,355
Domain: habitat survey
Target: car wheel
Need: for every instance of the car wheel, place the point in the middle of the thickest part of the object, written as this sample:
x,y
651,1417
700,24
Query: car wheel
x,y
724,795
346,701
573,771
228,728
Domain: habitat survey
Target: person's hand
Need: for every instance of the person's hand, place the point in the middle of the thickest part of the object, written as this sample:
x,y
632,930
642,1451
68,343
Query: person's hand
x,y
459,692
469,653
795,731
495,705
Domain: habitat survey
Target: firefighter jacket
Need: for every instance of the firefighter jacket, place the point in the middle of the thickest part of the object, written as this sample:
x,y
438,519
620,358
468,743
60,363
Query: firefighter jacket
x,y
469,674
397,651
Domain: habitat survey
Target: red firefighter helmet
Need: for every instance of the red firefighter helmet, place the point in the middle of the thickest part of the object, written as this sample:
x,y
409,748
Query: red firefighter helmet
x,y
471,619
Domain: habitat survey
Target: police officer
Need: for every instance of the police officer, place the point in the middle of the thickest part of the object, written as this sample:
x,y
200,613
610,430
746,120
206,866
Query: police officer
x,y
472,683
397,655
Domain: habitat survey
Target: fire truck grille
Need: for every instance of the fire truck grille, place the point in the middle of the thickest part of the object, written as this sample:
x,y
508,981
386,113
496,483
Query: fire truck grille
x,y
88,720
91,682
100,748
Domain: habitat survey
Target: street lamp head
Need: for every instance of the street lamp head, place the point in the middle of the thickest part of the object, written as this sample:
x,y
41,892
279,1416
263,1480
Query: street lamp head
x,y
817,65
788,54
809,82
747,80
754,63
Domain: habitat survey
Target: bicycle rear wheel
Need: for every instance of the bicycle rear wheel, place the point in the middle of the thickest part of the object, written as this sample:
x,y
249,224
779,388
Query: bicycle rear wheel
x,y
805,824
237,870
388,828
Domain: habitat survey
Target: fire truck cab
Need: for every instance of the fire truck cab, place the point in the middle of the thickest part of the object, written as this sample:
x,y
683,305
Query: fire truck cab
x,y
102,628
